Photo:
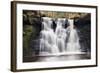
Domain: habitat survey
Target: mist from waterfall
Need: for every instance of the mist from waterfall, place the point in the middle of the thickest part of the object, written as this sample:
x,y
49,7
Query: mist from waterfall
x,y
62,40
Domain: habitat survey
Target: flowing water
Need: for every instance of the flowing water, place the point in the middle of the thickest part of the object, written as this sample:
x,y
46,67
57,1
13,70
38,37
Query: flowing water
x,y
73,44
54,42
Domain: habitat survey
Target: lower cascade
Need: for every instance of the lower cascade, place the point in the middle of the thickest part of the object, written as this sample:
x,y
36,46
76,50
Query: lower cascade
x,y
73,41
62,40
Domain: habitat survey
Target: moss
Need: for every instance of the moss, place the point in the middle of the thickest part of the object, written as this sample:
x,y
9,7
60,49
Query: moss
x,y
26,37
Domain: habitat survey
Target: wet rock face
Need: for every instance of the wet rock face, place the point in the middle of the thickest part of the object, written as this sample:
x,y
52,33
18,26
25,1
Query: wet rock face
x,y
84,26
32,22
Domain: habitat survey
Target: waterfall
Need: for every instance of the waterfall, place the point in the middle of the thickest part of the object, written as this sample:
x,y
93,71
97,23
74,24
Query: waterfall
x,y
54,42
73,40
61,34
48,37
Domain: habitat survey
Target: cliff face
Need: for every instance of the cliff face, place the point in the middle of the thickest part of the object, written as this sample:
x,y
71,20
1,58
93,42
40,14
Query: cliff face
x,y
31,29
63,14
84,26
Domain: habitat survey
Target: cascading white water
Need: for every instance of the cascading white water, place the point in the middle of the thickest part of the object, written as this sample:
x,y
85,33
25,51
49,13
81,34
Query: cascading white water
x,y
61,34
55,42
73,40
48,37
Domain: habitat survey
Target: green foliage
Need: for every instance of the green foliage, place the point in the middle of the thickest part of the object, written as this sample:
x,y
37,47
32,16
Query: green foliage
x,y
26,37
